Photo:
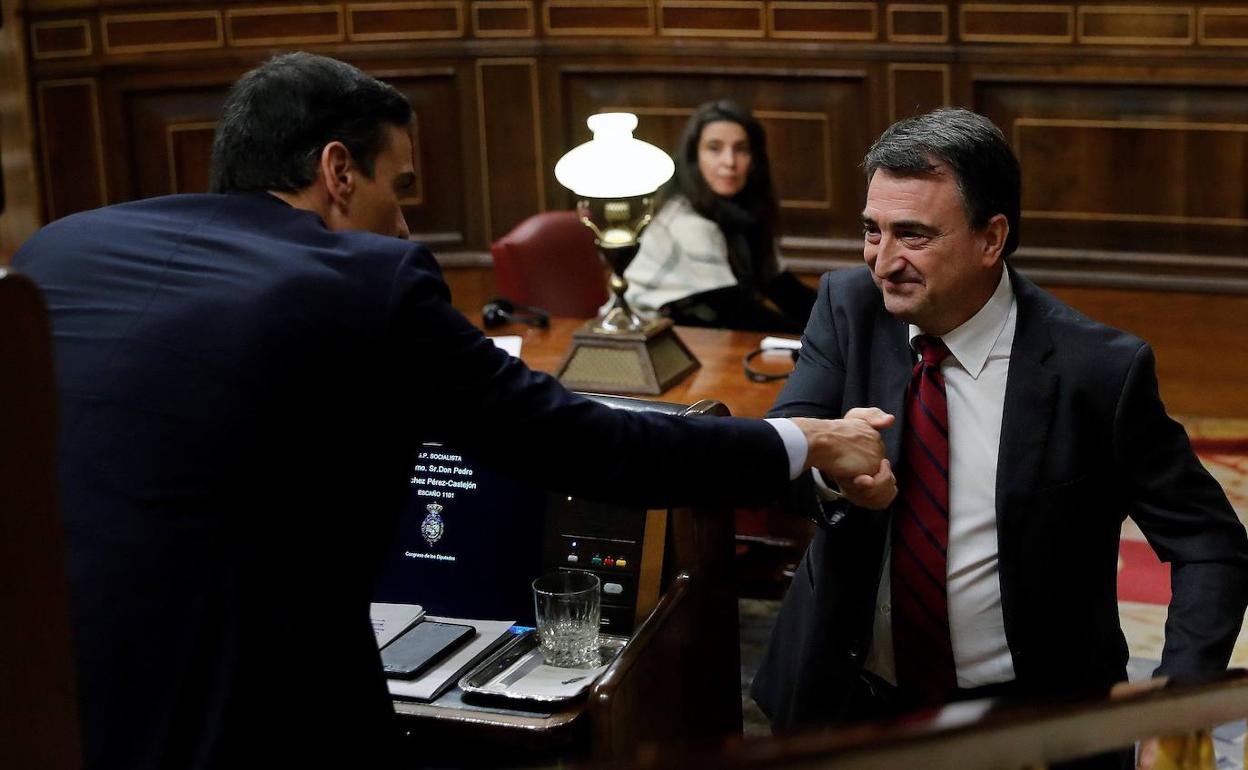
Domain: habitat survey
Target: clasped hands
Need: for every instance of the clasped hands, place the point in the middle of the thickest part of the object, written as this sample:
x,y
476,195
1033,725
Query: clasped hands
x,y
850,452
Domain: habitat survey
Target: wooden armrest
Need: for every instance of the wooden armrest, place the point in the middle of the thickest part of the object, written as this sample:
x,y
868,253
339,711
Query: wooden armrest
x,y
633,654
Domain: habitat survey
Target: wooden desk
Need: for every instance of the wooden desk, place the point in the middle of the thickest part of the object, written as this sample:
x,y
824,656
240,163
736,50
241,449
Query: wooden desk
x,y
677,678
721,376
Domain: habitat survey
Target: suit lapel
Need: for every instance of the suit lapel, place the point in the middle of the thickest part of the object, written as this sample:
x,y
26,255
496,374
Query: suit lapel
x,y
1030,397
892,363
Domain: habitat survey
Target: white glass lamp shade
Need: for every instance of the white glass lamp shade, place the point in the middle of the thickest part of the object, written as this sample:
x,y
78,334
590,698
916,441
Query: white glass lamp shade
x,y
613,164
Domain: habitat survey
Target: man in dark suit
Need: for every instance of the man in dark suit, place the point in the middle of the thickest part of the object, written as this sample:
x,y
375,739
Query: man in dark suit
x,y
245,378
1026,433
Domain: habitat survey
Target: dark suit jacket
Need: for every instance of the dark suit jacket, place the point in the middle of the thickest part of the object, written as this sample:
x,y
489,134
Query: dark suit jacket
x,y
1085,441
242,392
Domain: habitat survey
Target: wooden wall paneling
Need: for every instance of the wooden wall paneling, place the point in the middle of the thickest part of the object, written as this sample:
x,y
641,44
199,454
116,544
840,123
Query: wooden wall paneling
x,y
1136,25
503,18
435,210
1191,334
712,18
169,130
1010,23
917,88
513,177
189,147
1145,174
287,25
1160,187
802,20
599,18
558,135
20,164
917,23
71,145
422,20
61,39
134,33
469,186
818,131
1222,26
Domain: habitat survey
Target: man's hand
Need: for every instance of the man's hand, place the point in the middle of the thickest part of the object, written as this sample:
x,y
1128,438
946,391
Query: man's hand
x,y
846,448
871,492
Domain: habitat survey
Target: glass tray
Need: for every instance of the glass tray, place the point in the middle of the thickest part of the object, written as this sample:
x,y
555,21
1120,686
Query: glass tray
x,y
517,671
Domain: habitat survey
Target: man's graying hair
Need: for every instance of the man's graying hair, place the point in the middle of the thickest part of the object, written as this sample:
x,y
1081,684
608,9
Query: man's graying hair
x,y
983,164
279,116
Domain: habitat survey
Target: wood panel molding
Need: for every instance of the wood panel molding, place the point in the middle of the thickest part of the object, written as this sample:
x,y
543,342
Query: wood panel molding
x,y
1223,26
712,18
824,20
1010,23
422,20
1084,90
417,195
290,25
504,154
61,39
910,90
503,18
73,166
817,156
1042,136
598,18
177,134
1136,25
133,33
916,23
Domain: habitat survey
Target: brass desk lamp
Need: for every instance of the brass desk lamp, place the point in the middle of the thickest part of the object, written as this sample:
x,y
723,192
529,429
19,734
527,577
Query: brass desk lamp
x,y
615,177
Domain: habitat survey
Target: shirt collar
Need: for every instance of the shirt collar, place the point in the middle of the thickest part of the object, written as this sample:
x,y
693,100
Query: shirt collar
x,y
972,342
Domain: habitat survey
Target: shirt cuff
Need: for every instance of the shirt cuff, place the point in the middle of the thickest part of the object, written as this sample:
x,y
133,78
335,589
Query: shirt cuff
x,y
794,444
827,492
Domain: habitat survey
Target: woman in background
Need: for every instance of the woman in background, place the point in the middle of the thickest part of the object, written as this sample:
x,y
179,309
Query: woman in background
x,y
709,257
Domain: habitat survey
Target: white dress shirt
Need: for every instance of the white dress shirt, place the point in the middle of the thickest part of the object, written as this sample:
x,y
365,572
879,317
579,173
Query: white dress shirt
x,y
974,373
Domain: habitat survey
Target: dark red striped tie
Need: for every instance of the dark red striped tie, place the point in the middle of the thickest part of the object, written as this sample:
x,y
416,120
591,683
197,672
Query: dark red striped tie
x,y
922,650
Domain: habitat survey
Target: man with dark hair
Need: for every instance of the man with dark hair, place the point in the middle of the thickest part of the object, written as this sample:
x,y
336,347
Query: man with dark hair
x,y
1027,433
245,379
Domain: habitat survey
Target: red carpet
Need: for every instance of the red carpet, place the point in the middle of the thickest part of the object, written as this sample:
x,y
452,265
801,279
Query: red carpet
x,y
1142,578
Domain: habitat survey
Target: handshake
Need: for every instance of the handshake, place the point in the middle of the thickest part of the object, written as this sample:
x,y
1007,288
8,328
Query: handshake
x,y
850,452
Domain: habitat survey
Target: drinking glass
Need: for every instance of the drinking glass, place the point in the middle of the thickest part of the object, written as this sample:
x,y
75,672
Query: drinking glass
x,y
568,606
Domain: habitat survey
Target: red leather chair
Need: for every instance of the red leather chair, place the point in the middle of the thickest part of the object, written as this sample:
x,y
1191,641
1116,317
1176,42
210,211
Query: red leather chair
x,y
550,261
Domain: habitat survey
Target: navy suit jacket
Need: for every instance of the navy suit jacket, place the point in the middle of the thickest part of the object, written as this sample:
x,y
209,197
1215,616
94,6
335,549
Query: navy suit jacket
x,y
242,394
1085,442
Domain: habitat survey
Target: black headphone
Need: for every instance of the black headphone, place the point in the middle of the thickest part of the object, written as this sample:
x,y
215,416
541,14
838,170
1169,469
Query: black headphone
x,y
499,311
755,375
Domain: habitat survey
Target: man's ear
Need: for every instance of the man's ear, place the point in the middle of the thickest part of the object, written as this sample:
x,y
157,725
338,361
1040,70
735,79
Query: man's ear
x,y
338,170
994,235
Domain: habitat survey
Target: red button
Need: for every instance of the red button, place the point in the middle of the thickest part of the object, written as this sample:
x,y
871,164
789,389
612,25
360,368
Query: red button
x,y
609,562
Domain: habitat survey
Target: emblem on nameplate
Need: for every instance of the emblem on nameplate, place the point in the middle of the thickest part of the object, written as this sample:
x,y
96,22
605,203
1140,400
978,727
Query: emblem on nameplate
x,y
432,527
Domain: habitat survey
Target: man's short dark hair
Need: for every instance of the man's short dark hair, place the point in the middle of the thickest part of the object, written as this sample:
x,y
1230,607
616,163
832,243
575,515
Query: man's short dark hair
x,y
279,116
983,164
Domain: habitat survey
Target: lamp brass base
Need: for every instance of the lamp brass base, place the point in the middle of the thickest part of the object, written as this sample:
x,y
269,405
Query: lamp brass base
x,y
646,362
